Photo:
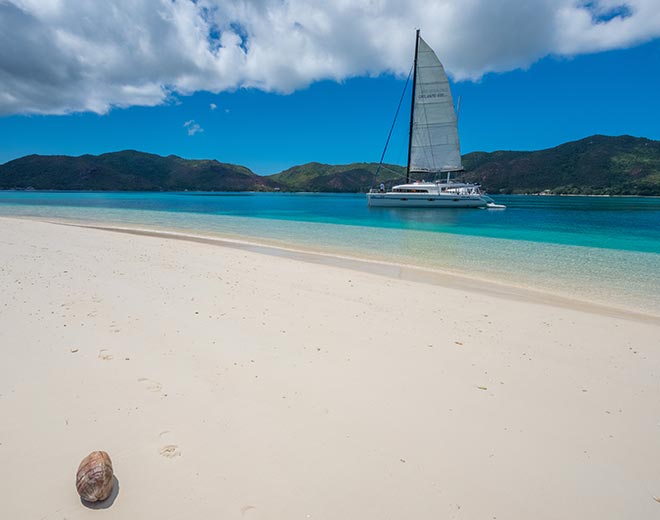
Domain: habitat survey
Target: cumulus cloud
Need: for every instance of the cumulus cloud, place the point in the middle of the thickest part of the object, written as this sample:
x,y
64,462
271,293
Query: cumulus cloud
x,y
62,56
193,127
213,106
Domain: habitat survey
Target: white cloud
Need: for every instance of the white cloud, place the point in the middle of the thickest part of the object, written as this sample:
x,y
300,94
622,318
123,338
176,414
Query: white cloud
x,y
62,56
213,106
193,127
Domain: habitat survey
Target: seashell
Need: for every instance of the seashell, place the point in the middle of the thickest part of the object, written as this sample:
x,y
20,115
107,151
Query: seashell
x,y
94,479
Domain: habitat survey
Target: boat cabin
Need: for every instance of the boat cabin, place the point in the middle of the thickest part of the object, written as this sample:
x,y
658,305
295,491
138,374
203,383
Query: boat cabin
x,y
438,188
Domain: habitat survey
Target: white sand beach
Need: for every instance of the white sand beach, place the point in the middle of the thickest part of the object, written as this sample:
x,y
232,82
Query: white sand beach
x,y
226,383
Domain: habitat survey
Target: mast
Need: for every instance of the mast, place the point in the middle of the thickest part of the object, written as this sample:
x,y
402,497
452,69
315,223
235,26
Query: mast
x,y
412,107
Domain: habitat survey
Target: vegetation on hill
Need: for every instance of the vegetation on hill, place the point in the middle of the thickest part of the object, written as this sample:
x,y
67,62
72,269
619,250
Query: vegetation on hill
x,y
127,170
598,165
356,177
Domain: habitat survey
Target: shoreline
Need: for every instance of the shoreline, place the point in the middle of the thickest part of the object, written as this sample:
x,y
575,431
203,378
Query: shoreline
x,y
322,192
394,270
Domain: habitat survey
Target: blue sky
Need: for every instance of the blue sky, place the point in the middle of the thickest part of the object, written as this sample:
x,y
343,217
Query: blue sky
x,y
552,100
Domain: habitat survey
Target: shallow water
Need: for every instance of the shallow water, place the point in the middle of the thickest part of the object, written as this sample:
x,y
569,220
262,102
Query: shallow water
x,y
605,250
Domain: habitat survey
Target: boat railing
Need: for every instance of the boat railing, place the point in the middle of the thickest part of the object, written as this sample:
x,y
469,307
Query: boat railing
x,y
381,189
463,191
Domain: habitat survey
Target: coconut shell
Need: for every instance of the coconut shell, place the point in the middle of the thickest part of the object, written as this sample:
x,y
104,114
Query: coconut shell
x,y
94,479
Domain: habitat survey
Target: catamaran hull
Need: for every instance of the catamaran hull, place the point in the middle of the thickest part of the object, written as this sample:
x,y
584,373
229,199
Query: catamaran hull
x,y
401,200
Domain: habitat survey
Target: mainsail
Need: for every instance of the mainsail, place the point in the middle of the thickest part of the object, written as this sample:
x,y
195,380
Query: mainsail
x,y
434,145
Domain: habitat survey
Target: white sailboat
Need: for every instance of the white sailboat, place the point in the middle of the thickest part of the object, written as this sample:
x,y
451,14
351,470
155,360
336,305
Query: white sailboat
x,y
434,149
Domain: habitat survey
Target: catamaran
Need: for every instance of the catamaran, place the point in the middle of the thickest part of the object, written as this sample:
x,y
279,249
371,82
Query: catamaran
x,y
434,150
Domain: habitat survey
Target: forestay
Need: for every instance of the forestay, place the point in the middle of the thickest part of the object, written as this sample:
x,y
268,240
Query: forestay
x,y
434,146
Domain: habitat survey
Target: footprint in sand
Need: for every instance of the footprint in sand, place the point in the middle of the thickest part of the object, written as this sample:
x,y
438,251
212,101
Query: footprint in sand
x,y
105,355
152,386
169,451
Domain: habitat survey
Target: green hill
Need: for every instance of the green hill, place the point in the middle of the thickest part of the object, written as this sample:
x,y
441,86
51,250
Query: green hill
x,y
127,171
597,165
356,177
602,165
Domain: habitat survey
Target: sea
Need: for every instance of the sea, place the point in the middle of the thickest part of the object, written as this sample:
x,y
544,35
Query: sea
x,y
604,250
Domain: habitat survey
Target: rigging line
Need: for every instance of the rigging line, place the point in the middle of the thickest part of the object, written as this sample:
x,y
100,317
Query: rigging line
x,y
389,135
391,170
399,175
428,130
423,122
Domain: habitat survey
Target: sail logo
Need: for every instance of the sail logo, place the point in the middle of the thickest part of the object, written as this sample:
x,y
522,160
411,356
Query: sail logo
x,y
433,95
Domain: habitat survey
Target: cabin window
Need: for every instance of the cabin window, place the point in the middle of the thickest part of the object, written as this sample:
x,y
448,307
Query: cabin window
x,y
410,190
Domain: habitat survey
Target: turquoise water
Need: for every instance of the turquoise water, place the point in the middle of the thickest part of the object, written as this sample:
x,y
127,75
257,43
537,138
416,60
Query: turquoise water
x,y
605,250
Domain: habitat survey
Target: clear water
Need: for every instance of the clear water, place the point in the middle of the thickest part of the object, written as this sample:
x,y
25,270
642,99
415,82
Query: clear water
x,y
605,250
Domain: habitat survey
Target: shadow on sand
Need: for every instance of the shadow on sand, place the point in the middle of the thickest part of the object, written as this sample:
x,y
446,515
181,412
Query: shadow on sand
x,y
105,504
